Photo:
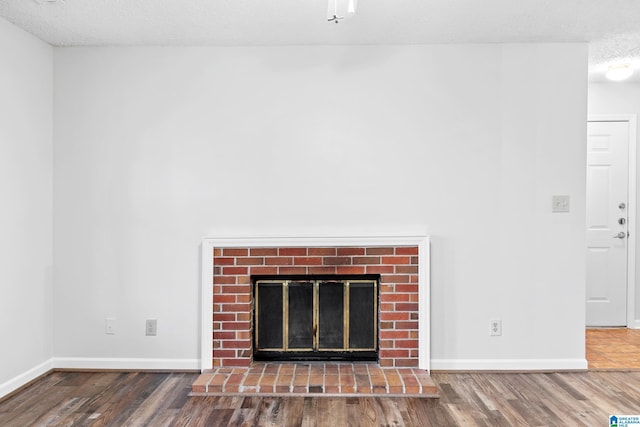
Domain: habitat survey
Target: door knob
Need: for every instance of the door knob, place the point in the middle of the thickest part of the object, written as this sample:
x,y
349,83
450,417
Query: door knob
x,y
622,205
622,221
620,235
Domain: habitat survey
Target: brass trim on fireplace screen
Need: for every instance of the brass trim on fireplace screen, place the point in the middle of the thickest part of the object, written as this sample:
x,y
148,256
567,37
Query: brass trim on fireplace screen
x,y
316,315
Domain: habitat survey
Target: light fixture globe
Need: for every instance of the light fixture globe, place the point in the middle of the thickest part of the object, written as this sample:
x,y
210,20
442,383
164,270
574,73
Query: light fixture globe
x,y
619,72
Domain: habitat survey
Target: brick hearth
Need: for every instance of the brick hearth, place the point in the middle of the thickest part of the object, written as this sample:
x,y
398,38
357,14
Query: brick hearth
x,y
315,379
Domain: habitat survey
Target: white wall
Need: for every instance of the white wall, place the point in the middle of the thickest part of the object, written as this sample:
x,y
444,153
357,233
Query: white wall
x,y
26,294
620,98
157,147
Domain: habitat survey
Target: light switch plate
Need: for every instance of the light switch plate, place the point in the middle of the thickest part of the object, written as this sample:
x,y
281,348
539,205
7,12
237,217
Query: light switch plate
x,y
559,204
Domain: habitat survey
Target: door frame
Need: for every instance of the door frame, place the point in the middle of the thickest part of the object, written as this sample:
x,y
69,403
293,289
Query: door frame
x,y
631,119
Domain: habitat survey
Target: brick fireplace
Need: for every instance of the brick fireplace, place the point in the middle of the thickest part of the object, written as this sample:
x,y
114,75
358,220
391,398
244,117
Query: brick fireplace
x,y
230,264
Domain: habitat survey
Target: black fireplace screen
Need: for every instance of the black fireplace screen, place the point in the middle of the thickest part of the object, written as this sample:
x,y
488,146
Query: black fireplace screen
x,y
315,319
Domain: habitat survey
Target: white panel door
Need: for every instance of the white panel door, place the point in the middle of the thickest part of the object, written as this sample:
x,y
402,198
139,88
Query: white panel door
x,y
607,207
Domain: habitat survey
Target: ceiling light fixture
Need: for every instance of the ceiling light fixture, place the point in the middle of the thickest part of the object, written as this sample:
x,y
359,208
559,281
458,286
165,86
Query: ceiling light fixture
x,y
339,9
619,72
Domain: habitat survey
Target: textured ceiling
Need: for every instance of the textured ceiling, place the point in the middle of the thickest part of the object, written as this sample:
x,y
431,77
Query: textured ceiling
x,y
612,27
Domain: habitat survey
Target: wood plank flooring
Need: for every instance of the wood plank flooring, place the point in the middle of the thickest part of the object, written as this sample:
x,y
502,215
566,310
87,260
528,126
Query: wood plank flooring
x,y
613,348
478,399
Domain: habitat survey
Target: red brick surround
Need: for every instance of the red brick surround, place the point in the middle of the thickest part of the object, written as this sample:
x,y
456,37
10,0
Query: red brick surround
x,y
232,296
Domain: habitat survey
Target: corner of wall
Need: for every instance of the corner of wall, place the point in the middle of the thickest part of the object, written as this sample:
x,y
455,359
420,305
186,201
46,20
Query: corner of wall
x,y
23,379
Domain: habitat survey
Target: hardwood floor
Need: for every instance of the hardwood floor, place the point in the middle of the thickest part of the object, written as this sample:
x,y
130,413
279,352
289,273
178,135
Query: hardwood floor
x,y
613,348
155,399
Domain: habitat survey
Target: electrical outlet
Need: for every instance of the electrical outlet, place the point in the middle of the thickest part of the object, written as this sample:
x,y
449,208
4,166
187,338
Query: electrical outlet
x,y
496,327
110,326
151,328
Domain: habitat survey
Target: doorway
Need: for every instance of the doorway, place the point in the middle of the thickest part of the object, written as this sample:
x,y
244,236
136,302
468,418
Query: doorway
x,y
610,220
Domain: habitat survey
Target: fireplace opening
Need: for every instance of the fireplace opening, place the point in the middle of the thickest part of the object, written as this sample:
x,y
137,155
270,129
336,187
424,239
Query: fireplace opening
x,y
315,318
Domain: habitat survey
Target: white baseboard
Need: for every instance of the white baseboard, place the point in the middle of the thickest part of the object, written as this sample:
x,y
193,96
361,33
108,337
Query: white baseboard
x,y
509,364
18,381
635,325
125,363
194,364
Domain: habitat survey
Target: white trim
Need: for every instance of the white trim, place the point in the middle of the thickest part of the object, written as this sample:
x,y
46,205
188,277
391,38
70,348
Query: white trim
x,y
24,378
210,243
206,306
509,364
424,303
631,119
118,363
634,325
